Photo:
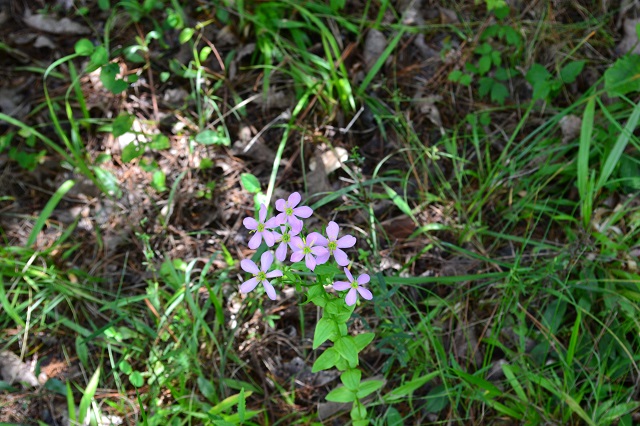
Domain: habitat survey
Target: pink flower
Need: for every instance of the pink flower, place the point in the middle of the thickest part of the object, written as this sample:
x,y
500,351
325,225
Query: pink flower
x,y
290,213
260,275
284,239
307,249
335,245
354,286
262,228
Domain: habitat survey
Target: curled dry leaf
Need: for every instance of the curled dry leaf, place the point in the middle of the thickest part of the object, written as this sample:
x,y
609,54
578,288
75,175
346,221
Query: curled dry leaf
x,y
629,42
570,126
374,45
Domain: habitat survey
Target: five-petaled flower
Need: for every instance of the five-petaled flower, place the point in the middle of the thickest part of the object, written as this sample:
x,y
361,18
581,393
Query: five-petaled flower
x,y
260,275
335,245
261,228
284,238
308,250
290,213
355,286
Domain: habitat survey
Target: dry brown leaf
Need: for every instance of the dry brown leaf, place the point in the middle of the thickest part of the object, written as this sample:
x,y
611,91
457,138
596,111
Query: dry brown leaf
x,y
332,159
51,25
12,370
629,42
374,45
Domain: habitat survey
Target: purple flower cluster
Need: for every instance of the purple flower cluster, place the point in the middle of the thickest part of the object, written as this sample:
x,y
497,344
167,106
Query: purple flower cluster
x,y
285,230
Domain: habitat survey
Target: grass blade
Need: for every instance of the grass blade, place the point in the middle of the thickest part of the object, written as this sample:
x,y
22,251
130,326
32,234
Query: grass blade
x,y
48,209
586,197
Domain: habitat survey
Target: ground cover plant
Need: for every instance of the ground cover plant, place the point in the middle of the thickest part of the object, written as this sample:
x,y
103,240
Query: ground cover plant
x,y
319,212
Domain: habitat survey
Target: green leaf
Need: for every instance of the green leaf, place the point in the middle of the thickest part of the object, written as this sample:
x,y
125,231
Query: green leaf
x,y
136,379
346,347
104,5
207,389
484,86
212,137
326,360
84,47
185,35
455,76
48,210
368,387
351,379
131,151
326,329
341,394
108,78
122,124
99,57
362,340
499,93
484,64
108,182
623,77
411,386
466,79
159,181
82,351
250,183
125,367
159,142
571,71
87,396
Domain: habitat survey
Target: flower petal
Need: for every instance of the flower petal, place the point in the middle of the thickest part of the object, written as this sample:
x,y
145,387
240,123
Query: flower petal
x,y
365,293
341,285
322,258
249,285
332,230
297,256
321,240
351,298
281,205
250,223
348,274
265,261
294,200
268,238
249,266
319,250
272,223
293,232
296,243
274,274
363,279
254,242
313,239
310,261
341,257
296,224
281,252
262,214
303,211
281,218
347,241
271,292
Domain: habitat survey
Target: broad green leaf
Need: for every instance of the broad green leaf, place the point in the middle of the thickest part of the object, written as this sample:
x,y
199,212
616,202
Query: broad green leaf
x,y
206,389
346,347
136,379
325,329
623,77
125,367
122,124
212,137
362,340
499,93
185,35
368,387
159,142
98,58
108,77
84,47
341,394
159,181
82,351
108,181
351,379
87,396
326,360
250,183
242,405
571,71
131,151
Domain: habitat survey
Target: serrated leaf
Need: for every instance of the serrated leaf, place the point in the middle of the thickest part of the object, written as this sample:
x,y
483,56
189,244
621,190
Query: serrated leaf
x,y
455,76
368,387
571,71
325,329
250,183
623,77
351,379
326,360
499,93
341,394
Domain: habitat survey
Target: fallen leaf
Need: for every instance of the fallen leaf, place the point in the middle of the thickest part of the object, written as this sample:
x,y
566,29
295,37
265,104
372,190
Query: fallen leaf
x,y
12,370
374,45
629,42
332,159
570,126
51,25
